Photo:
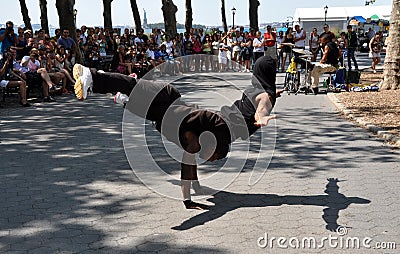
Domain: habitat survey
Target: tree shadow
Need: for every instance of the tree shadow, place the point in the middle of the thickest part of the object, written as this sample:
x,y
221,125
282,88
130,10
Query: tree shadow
x,y
333,201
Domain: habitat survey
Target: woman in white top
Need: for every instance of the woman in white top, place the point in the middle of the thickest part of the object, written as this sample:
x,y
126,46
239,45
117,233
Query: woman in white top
x,y
168,45
258,46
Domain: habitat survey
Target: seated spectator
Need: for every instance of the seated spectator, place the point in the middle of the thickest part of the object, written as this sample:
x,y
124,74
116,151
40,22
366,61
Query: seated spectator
x,y
6,80
32,77
61,57
55,74
32,68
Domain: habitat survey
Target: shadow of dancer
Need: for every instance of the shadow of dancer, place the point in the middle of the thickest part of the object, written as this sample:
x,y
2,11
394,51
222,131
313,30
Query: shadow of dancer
x,y
229,201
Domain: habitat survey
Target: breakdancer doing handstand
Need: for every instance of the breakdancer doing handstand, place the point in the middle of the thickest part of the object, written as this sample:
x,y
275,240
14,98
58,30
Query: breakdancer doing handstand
x,y
195,130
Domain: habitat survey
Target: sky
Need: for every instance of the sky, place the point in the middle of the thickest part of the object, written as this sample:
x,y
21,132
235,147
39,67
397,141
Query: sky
x,y
205,12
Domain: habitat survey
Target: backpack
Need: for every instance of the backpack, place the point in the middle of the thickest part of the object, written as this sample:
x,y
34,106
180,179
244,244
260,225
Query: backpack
x,y
340,76
353,77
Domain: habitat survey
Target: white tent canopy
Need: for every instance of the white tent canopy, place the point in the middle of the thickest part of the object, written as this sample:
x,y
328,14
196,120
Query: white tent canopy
x,y
341,13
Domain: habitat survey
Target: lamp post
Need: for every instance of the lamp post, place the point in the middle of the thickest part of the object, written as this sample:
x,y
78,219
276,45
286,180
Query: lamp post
x,y
75,13
326,11
233,16
287,20
368,2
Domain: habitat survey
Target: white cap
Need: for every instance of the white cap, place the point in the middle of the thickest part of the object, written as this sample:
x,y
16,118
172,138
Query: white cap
x,y
25,59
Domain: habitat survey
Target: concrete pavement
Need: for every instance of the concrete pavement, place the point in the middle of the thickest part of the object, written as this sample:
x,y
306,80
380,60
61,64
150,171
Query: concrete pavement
x,y
66,186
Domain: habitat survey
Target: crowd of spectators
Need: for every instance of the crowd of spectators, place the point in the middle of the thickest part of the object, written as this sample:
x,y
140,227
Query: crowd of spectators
x,y
50,59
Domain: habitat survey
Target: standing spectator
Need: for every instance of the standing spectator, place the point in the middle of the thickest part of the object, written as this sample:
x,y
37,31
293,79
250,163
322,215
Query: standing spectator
x,y
314,44
286,49
215,50
236,40
68,43
341,44
299,37
223,57
197,49
351,43
371,33
258,46
330,36
207,44
187,45
246,51
279,40
375,47
269,43
7,38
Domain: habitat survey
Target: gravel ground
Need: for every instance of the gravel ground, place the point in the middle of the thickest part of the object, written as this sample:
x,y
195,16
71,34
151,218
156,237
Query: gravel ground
x,y
379,108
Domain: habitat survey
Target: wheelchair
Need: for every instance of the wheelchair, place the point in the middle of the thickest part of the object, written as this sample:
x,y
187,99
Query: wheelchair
x,y
292,78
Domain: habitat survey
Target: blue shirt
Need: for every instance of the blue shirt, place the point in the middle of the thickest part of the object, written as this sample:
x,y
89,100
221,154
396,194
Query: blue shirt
x,y
7,42
68,43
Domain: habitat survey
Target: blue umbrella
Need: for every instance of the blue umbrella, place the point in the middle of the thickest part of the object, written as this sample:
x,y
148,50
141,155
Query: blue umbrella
x,y
283,29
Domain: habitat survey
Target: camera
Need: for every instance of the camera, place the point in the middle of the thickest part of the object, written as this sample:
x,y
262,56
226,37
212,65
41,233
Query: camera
x,y
10,29
7,55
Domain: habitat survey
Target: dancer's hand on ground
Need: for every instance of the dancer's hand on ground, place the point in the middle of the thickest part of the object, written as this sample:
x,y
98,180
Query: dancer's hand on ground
x,y
264,121
189,204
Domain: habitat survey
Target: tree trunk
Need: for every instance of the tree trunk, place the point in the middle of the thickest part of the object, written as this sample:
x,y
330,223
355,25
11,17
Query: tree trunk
x,y
44,22
25,14
189,16
169,11
253,14
136,15
65,10
107,14
223,16
391,74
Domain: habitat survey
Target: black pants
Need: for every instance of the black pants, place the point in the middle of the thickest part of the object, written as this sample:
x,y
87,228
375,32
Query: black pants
x,y
149,100
110,82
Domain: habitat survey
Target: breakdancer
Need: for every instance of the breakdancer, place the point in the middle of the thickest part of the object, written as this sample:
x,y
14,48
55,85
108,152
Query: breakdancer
x,y
195,130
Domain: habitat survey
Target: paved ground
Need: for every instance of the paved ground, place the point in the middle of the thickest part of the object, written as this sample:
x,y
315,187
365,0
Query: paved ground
x,y
66,186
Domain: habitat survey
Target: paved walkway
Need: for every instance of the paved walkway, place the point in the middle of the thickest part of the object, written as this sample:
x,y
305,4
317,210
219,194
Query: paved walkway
x,y
66,186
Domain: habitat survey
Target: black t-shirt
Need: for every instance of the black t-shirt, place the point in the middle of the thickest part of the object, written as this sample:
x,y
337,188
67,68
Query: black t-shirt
x,y
333,54
161,103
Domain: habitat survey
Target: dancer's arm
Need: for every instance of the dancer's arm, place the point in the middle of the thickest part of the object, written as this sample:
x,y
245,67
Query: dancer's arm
x,y
189,171
264,107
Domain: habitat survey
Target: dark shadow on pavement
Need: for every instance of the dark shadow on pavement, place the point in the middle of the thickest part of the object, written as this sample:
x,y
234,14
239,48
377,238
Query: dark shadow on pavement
x,y
228,201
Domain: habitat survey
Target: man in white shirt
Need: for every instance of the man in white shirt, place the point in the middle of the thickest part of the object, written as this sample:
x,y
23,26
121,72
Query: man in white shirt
x,y
258,46
299,37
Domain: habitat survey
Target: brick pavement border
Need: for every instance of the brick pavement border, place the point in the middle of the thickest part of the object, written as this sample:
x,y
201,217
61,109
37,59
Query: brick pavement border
x,y
392,139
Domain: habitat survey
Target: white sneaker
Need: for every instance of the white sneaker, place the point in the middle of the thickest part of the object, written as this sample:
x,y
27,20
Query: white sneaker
x,y
121,98
83,82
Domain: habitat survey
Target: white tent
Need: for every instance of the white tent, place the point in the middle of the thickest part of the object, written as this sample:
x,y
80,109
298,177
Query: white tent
x,y
341,13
